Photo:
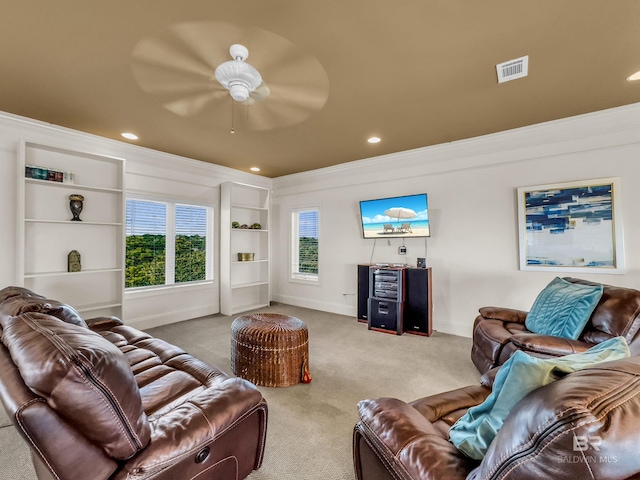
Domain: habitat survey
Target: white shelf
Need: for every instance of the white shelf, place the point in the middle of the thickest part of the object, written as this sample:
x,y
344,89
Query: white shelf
x,y
249,207
46,233
247,285
72,186
63,274
244,285
41,220
97,306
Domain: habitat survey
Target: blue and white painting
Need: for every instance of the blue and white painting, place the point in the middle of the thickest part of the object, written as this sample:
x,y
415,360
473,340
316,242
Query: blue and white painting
x,y
569,226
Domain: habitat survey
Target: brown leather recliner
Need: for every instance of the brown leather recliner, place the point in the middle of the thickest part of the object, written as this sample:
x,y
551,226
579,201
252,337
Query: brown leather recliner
x,y
99,400
499,332
583,426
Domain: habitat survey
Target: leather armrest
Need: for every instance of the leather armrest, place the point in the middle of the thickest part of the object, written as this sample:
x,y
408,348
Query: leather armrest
x,y
488,377
182,432
438,406
548,345
409,442
103,323
504,314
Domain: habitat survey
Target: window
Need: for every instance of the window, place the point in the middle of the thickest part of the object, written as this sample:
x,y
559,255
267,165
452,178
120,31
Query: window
x,y
304,244
167,243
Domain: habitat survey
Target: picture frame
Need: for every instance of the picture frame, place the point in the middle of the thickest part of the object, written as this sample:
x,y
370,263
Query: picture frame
x,y
572,227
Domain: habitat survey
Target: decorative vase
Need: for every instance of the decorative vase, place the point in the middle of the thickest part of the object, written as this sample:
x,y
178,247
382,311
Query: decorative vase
x,y
75,204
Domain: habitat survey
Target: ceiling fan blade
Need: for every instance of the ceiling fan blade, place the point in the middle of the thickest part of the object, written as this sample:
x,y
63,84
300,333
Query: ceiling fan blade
x,y
272,52
155,79
155,51
209,41
257,118
260,94
193,104
308,97
272,114
302,70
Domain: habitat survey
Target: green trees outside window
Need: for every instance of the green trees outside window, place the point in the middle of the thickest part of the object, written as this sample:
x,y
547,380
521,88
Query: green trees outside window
x,y
308,260
161,252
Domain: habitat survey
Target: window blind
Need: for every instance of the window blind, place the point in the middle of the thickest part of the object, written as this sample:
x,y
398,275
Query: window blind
x,y
305,229
191,243
146,229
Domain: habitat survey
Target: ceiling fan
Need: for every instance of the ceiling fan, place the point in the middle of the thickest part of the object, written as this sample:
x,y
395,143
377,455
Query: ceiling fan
x,y
187,68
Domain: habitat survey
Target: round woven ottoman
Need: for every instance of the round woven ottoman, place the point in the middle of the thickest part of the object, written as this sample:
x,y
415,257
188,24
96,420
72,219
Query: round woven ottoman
x,y
269,349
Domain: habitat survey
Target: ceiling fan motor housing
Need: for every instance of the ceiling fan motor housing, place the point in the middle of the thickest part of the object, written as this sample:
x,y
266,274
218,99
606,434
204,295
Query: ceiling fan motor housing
x,y
237,76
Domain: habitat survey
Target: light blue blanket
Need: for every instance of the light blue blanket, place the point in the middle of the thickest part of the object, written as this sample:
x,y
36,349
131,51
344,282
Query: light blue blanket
x,y
473,432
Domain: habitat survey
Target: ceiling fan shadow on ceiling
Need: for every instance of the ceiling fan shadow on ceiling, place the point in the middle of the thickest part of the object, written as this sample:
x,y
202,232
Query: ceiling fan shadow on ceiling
x,y
189,71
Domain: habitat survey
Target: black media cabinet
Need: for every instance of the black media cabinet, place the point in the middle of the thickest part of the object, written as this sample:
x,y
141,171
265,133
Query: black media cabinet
x,y
395,299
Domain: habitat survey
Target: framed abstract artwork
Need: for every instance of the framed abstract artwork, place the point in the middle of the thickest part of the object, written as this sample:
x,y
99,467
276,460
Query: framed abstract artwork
x,y
571,227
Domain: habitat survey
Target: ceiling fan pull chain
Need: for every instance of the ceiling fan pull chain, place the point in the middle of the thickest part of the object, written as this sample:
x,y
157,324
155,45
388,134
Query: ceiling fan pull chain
x,y
232,130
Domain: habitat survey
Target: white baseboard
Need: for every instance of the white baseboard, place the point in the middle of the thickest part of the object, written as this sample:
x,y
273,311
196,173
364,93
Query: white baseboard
x,y
175,316
455,328
340,309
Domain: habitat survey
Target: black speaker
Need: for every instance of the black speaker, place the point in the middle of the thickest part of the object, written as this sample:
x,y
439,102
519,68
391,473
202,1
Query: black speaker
x,y
385,315
363,291
417,305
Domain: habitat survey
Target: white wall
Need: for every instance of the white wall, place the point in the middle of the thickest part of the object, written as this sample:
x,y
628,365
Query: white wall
x,y
472,197
471,185
148,172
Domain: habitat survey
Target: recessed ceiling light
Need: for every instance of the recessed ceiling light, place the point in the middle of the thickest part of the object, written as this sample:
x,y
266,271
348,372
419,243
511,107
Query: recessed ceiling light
x,y
130,136
634,76
254,169
373,140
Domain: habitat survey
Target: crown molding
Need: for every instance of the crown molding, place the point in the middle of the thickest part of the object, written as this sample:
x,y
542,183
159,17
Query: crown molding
x,y
604,129
137,157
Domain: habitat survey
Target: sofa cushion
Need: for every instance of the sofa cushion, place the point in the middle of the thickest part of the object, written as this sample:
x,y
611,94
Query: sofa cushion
x,y
563,309
520,375
85,378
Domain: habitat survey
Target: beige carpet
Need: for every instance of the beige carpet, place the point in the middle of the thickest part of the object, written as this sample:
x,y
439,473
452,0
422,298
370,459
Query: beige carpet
x,y
310,426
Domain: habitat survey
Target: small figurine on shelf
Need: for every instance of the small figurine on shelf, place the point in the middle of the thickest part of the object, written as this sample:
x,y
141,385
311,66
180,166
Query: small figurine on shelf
x,y
235,225
75,204
73,261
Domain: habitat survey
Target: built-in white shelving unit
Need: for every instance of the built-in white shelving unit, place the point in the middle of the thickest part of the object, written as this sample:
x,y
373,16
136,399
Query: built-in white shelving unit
x,y
46,233
244,285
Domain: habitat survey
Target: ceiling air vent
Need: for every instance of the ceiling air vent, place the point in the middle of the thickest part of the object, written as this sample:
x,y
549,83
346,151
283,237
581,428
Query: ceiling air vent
x,y
513,69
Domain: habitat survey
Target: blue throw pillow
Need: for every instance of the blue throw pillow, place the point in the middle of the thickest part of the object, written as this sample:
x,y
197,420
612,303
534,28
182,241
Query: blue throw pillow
x,y
522,373
563,309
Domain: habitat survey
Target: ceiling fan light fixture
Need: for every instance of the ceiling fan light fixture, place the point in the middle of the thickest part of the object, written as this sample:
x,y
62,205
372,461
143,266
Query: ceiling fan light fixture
x,y
237,76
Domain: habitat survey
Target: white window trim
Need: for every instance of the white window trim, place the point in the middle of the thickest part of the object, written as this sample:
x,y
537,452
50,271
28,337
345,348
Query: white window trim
x,y
170,245
296,277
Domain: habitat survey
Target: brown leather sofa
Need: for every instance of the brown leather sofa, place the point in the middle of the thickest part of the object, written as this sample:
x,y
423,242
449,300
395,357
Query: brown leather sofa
x,y
583,426
97,399
499,332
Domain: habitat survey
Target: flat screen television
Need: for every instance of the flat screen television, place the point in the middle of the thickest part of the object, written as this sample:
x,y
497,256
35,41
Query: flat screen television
x,y
395,217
